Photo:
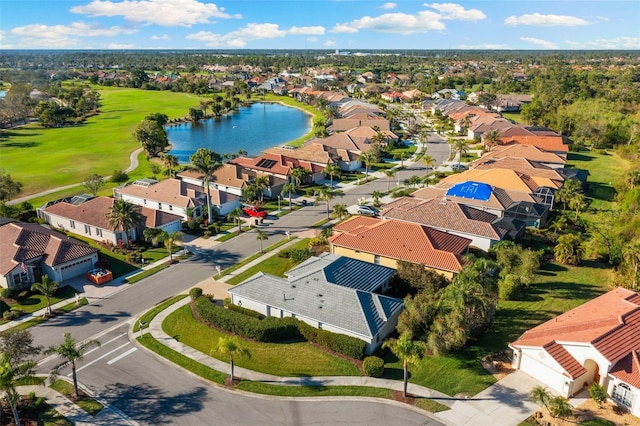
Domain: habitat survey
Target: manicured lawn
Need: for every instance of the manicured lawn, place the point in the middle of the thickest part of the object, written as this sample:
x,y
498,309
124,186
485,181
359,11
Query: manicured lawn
x,y
50,417
281,359
556,290
274,265
604,172
35,301
151,314
47,158
267,389
88,404
252,258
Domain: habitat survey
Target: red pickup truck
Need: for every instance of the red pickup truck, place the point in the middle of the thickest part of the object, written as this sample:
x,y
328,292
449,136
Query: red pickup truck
x,y
255,211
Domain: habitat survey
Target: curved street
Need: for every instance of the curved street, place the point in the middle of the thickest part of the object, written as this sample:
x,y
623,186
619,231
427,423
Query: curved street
x,y
147,391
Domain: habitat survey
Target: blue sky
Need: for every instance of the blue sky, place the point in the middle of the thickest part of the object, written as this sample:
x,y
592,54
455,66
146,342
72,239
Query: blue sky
x,y
347,25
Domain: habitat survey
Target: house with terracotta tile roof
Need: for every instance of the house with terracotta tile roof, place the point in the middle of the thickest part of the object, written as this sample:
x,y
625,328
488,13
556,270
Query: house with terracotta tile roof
x,y
385,242
511,206
88,216
598,341
278,167
357,120
229,178
28,251
482,228
334,293
175,196
528,152
542,187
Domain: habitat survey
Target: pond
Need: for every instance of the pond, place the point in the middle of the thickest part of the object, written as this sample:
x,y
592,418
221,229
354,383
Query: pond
x,y
253,128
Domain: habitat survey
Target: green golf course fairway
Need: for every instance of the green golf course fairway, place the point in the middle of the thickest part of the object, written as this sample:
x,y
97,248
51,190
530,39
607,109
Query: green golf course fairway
x,y
47,158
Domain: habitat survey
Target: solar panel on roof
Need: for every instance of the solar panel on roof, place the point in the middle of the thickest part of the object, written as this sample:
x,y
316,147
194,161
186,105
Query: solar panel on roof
x,y
471,190
266,163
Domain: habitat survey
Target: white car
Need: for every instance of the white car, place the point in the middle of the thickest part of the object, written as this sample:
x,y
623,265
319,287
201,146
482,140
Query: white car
x,y
367,210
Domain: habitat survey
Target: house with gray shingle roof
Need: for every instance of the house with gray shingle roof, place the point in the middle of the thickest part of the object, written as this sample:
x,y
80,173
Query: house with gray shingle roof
x,y
29,251
328,292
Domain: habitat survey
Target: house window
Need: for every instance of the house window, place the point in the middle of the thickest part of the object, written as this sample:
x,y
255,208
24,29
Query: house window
x,y
622,394
99,232
87,229
21,278
376,259
72,224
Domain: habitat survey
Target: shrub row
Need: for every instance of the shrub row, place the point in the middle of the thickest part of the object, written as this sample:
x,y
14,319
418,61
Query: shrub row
x,y
270,329
340,343
241,310
246,323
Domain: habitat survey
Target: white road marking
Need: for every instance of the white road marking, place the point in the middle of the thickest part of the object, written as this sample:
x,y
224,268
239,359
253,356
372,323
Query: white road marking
x,y
105,344
99,358
119,357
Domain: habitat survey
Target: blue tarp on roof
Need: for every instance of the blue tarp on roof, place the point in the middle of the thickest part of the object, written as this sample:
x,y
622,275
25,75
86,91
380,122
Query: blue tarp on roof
x,y
471,190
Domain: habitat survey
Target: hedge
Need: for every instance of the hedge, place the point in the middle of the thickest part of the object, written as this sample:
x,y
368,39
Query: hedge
x,y
341,343
243,322
270,329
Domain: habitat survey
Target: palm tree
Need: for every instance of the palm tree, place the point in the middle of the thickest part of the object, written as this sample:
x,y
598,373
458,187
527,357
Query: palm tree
x,y
367,159
124,215
461,147
229,345
155,235
408,350
299,175
326,194
332,170
206,162
376,195
170,162
261,236
390,175
289,188
577,202
340,210
261,183
70,353
13,376
539,395
569,188
429,161
47,288
236,214
569,249
169,240
491,138
631,255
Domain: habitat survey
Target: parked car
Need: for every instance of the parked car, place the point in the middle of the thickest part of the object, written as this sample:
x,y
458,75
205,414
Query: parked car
x,y
458,167
367,210
255,211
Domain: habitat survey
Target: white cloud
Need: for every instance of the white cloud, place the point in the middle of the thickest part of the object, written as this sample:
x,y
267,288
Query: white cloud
x,y
329,43
167,13
404,23
63,36
539,42
400,23
160,37
456,12
612,43
253,31
484,46
545,20
306,31
388,6
120,46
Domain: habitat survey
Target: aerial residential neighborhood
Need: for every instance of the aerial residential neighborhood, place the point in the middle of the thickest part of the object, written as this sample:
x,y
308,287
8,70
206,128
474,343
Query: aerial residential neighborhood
x,y
232,232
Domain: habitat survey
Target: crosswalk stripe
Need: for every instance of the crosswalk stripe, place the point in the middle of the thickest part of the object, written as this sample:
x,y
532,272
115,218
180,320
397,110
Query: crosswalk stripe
x,y
119,357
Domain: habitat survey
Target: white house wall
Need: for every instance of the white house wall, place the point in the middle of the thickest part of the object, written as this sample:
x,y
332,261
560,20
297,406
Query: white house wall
x,y
539,364
177,210
80,228
635,408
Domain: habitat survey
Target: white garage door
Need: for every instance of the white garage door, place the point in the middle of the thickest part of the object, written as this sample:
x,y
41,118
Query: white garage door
x,y
75,269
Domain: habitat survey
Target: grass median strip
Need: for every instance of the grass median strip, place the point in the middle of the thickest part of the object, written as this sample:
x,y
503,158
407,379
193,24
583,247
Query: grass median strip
x,y
148,316
37,320
87,403
146,273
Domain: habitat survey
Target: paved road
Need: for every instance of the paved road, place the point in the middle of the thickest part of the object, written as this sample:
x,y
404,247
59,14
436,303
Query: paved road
x,y
146,390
